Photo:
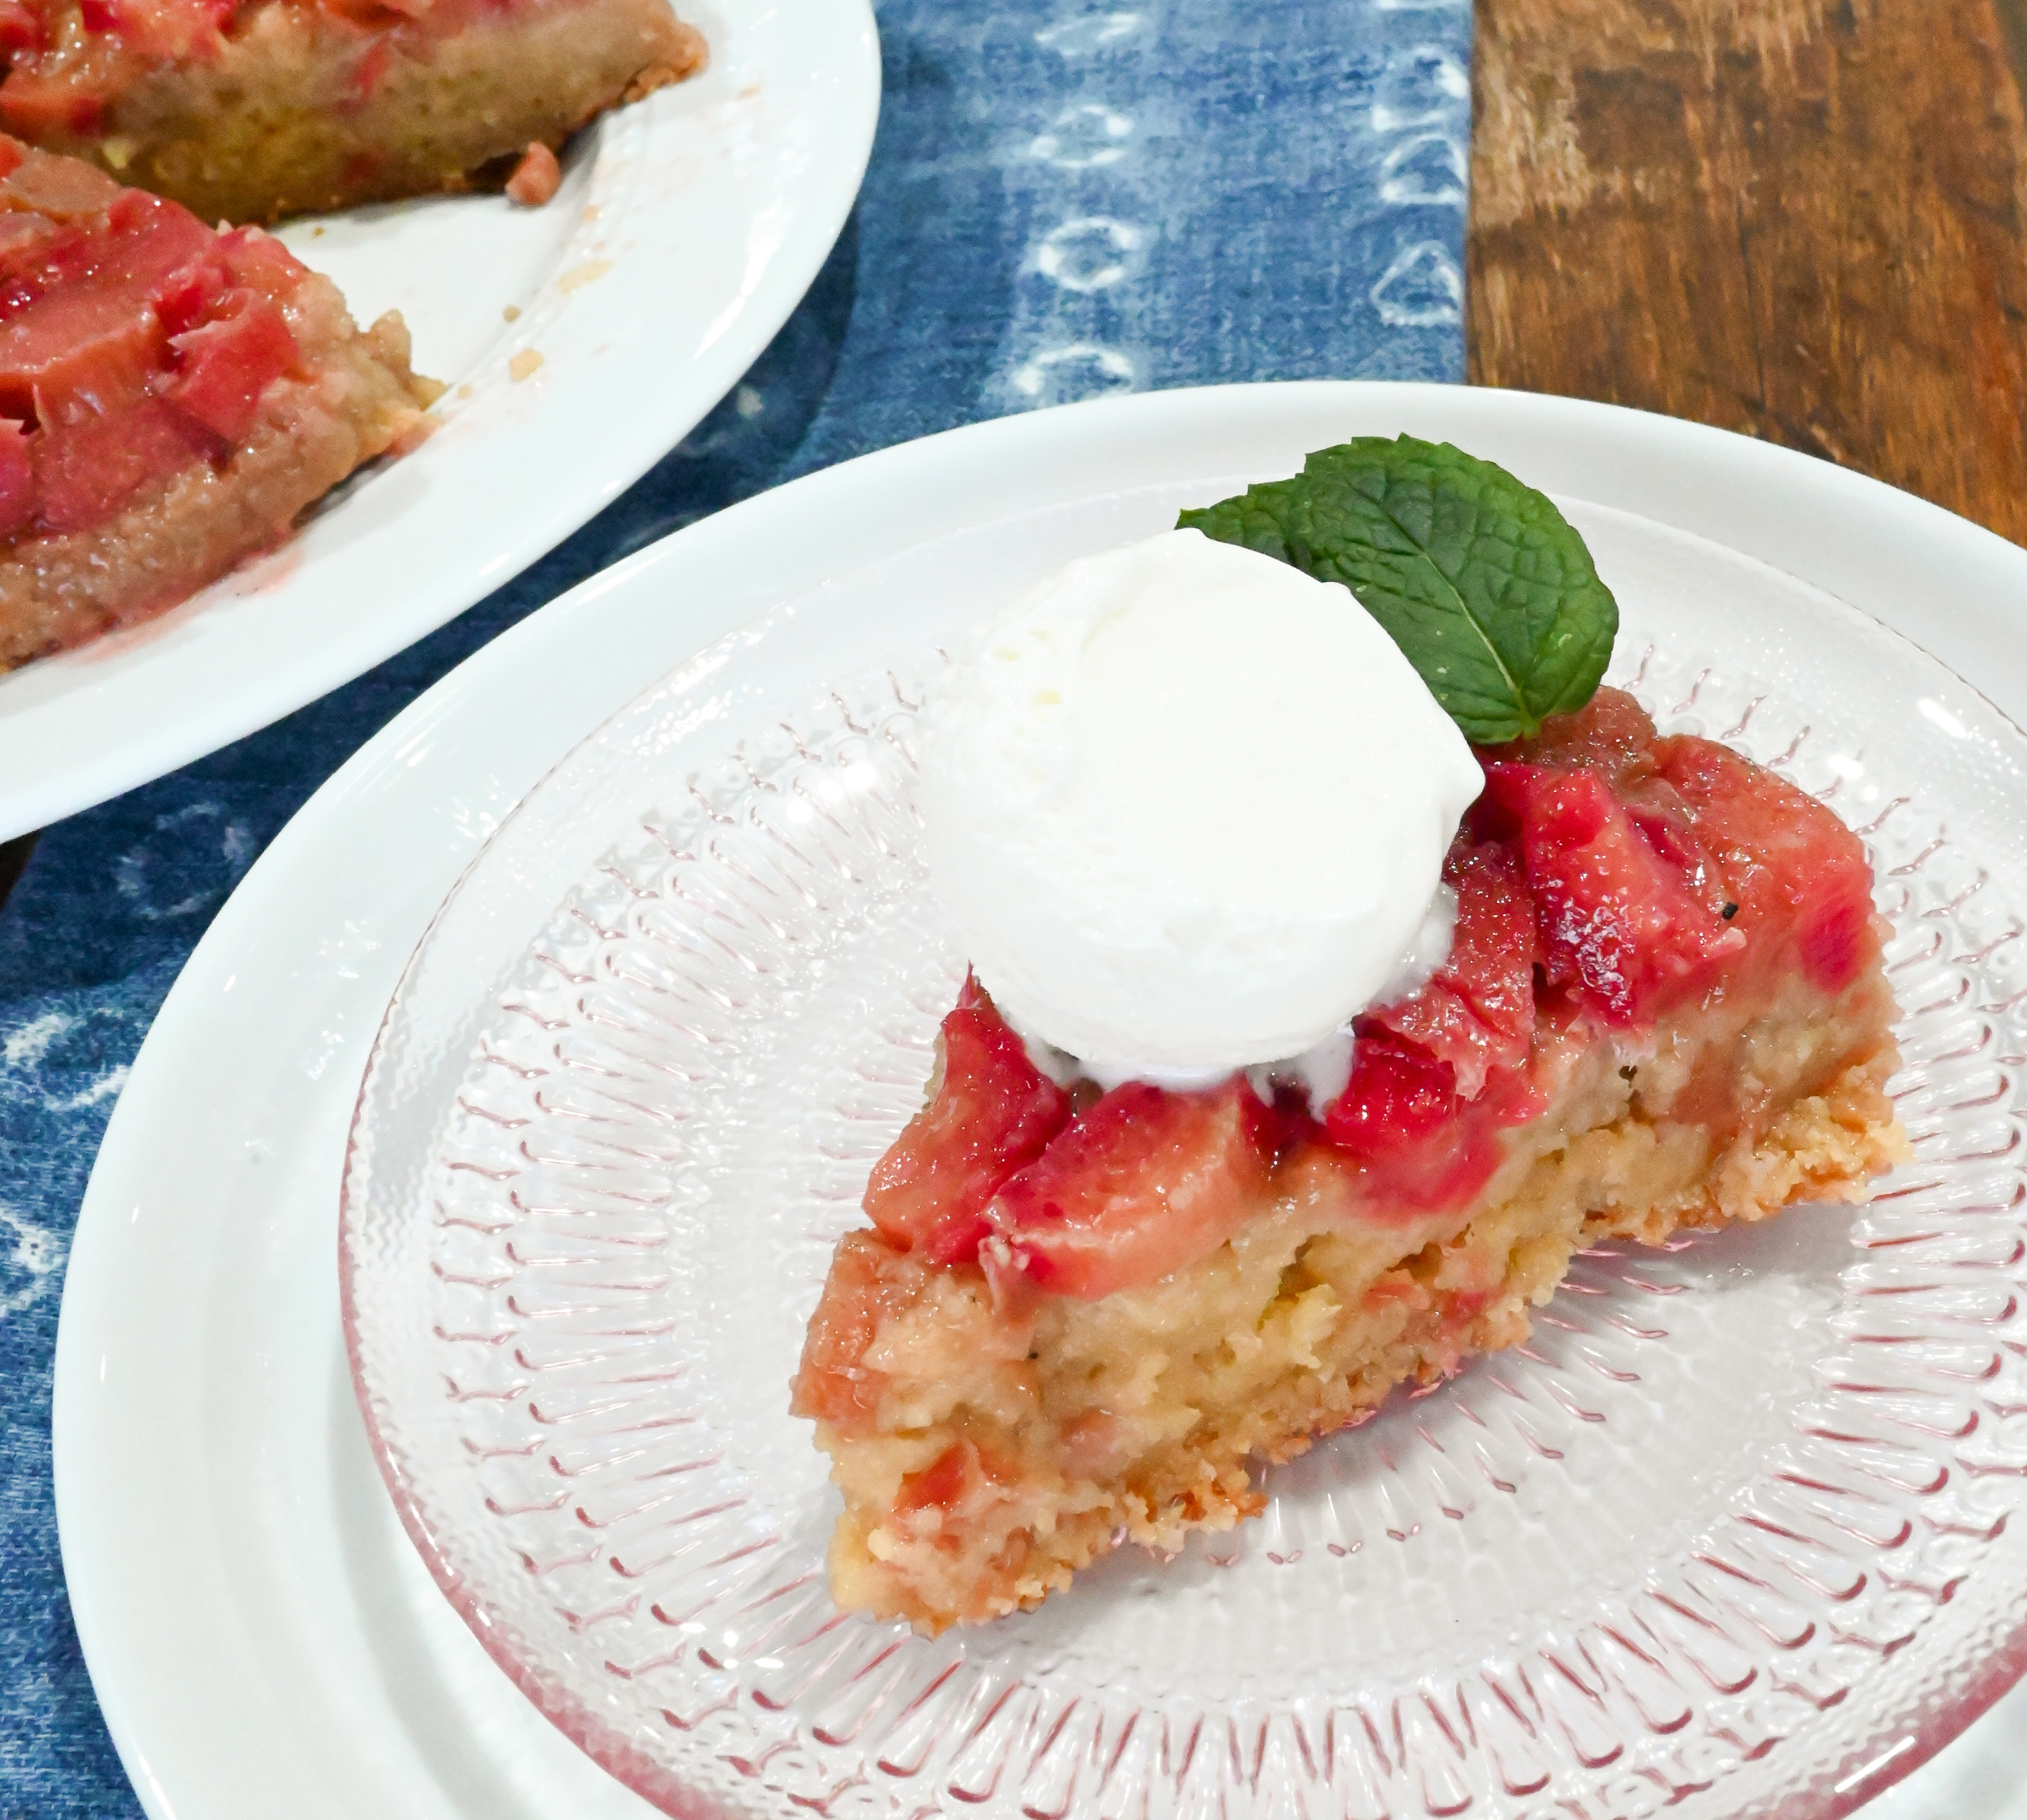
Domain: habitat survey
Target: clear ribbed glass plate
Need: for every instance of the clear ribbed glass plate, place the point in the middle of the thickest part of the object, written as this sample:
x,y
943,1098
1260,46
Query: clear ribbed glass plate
x,y
1735,1534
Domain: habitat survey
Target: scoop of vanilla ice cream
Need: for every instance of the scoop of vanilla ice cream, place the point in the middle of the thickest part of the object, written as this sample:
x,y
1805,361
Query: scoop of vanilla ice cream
x,y
1189,808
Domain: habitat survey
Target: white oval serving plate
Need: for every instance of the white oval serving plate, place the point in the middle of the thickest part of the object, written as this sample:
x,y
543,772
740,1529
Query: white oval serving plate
x,y
687,228
261,1637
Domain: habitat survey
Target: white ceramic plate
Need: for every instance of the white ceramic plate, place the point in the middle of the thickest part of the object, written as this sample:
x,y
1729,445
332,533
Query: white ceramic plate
x,y
261,1636
687,228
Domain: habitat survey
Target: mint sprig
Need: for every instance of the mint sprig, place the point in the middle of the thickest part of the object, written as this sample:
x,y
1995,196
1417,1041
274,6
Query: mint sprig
x,y
1485,587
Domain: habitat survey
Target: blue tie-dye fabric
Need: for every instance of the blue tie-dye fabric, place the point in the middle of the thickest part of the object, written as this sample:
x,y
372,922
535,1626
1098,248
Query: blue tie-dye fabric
x,y
1061,202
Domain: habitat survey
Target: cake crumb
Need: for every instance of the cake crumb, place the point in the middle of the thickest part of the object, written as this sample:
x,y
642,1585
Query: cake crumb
x,y
536,178
465,391
511,314
579,276
525,363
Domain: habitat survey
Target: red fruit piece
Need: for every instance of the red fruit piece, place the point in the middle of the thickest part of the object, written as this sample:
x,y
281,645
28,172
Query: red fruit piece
x,y
868,1284
1399,1117
1611,733
64,189
1618,923
224,366
1790,865
1501,812
145,241
82,350
36,107
1477,1014
963,1482
1664,823
85,471
260,262
1144,1182
1398,1095
20,30
536,178
17,478
159,27
192,294
990,1111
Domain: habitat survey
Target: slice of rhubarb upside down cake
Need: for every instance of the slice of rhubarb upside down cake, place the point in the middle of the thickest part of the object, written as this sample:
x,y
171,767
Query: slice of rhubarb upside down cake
x,y
1187,802
1080,1317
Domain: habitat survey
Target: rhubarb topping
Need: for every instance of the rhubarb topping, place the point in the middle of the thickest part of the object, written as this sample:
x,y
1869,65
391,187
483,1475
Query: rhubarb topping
x,y
1608,871
1143,1183
990,1112
133,342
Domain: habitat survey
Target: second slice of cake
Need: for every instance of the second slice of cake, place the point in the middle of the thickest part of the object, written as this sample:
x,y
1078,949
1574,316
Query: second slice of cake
x,y
171,400
254,112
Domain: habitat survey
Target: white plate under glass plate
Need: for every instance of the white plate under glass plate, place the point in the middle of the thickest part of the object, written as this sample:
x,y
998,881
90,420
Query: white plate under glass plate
x,y
200,1374
687,228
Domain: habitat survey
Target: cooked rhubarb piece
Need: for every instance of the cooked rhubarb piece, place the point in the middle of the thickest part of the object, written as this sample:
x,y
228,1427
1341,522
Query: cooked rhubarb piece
x,y
1143,1184
170,399
1663,1007
251,111
990,1112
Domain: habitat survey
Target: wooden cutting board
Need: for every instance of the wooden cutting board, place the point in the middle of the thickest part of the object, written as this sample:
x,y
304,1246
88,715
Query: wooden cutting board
x,y
1800,219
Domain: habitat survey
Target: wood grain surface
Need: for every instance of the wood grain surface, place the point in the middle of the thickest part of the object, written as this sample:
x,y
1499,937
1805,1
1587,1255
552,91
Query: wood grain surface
x,y
1802,219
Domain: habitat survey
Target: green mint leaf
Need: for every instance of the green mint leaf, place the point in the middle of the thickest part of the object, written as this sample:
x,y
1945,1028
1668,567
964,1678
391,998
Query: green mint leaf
x,y
1485,587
